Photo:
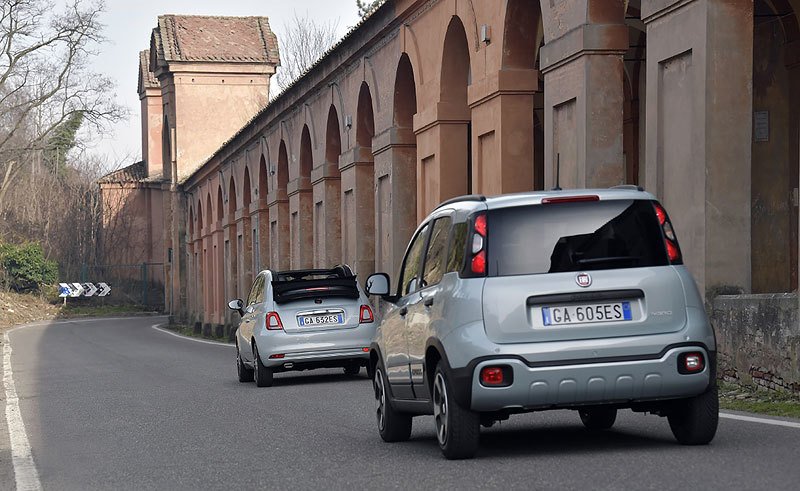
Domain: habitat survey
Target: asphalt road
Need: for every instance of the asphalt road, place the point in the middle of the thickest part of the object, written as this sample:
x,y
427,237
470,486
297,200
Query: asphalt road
x,y
117,404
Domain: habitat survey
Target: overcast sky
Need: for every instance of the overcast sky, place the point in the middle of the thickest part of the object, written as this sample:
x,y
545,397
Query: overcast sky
x,y
128,26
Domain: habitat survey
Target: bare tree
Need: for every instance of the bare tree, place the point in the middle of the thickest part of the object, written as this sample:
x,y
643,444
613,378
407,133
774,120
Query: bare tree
x,y
303,42
367,7
45,79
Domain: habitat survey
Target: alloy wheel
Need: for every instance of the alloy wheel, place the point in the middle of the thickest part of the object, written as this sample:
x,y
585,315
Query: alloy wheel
x,y
440,408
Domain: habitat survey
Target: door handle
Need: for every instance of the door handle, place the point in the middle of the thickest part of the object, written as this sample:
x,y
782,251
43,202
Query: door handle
x,y
428,301
403,311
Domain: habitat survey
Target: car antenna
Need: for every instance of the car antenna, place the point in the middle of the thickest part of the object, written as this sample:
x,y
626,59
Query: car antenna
x,y
558,172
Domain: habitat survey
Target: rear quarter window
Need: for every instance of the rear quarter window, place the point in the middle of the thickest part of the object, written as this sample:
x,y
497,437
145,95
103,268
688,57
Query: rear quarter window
x,y
570,237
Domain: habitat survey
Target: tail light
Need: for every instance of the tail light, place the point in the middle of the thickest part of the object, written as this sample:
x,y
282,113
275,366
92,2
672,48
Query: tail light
x,y
477,263
365,315
670,240
570,199
274,322
691,363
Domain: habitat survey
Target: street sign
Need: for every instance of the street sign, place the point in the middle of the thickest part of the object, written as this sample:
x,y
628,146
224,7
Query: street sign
x,y
77,290
90,289
103,289
83,290
64,290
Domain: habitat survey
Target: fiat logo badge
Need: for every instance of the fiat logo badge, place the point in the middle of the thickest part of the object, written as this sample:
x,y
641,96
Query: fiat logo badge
x,y
583,280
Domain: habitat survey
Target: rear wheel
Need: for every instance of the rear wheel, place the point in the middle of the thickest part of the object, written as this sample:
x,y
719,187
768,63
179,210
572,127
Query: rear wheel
x,y
263,375
457,428
245,374
598,418
393,426
694,421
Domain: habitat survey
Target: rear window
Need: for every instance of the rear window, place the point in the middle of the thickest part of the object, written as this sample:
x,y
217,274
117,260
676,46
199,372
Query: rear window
x,y
567,237
288,286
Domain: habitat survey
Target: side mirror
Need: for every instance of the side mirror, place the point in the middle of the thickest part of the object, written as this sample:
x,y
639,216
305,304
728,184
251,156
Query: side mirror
x,y
377,284
237,305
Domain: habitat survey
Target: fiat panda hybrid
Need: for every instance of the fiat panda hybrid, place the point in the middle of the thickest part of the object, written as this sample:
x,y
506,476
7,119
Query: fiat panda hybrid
x,y
547,300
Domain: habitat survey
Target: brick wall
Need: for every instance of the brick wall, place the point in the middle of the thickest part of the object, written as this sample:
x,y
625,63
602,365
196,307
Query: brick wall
x,y
758,339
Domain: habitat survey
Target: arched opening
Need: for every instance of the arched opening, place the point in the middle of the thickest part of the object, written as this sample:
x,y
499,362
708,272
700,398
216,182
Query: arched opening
x,y
327,201
246,187
333,140
456,144
199,219
523,38
191,224
396,195
220,206
634,74
358,200
365,123
774,167
262,178
209,214
231,199
282,175
300,204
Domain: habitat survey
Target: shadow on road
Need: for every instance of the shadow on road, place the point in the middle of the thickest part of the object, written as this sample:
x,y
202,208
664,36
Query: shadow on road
x,y
550,440
305,378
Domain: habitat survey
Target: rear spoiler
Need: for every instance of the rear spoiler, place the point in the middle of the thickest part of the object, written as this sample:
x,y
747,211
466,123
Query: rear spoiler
x,y
294,285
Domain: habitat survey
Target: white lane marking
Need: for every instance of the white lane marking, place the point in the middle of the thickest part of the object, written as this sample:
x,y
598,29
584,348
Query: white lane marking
x,y
24,468
79,320
752,419
215,343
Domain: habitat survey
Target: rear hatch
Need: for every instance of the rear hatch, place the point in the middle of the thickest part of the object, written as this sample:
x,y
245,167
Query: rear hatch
x,y
583,269
316,300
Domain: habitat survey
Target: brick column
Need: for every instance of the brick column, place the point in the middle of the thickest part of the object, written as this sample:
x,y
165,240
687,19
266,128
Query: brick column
x,y
502,131
327,221
583,102
358,210
278,230
395,153
300,223
699,131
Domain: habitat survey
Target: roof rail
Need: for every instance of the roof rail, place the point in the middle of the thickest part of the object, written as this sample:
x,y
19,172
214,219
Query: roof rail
x,y
459,199
632,187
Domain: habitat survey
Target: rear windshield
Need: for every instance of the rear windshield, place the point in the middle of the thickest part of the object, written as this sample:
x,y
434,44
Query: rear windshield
x,y
583,236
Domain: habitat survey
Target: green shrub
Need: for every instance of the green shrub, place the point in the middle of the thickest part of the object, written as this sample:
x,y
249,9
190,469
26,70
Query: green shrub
x,y
24,267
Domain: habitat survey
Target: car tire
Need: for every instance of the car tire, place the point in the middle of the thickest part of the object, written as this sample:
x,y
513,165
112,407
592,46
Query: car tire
x,y
694,421
598,418
245,374
352,369
393,425
457,428
263,375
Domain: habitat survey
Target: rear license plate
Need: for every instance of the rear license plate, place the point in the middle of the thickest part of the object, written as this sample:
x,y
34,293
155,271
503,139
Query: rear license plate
x,y
320,320
586,314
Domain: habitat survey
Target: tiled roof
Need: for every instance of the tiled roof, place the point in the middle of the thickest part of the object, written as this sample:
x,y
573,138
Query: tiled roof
x,y
133,173
147,79
211,38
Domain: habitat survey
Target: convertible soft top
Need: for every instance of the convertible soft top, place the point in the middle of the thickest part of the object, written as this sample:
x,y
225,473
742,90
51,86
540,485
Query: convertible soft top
x,y
338,281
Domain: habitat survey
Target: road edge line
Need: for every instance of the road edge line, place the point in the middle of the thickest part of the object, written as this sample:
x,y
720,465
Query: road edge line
x,y
25,472
158,327
765,421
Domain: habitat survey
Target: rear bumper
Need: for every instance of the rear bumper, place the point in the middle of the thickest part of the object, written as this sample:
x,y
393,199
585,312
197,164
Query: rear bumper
x,y
609,382
314,349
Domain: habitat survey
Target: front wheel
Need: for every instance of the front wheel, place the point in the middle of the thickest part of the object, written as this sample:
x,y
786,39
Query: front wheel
x,y
694,421
457,428
393,426
352,369
263,374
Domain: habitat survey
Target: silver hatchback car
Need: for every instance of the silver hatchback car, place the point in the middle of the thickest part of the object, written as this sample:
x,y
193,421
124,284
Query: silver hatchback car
x,y
546,300
301,320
